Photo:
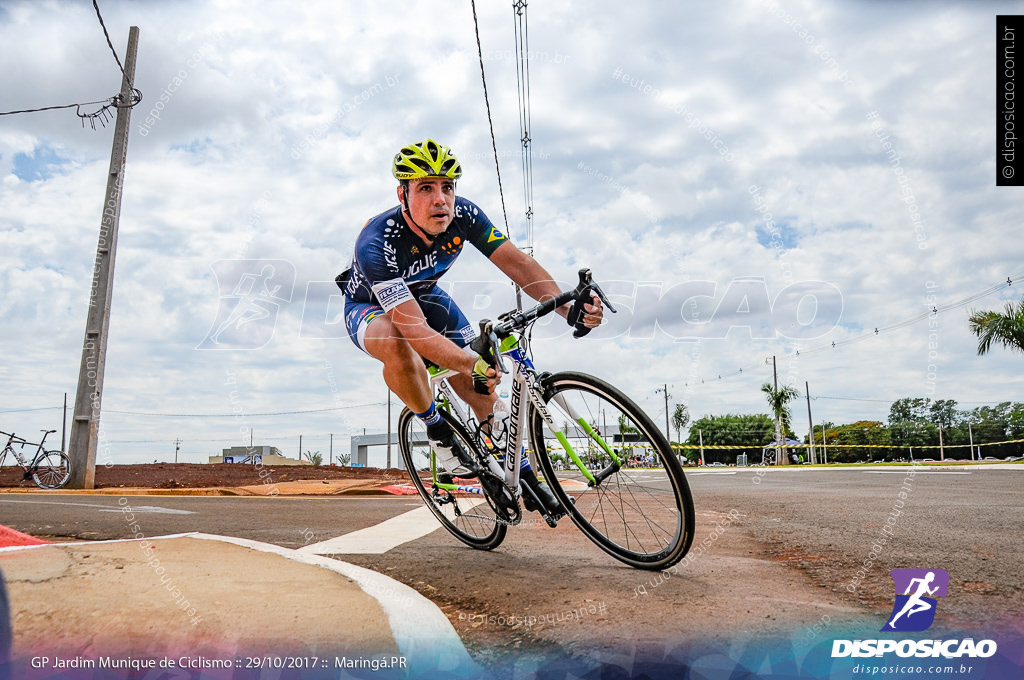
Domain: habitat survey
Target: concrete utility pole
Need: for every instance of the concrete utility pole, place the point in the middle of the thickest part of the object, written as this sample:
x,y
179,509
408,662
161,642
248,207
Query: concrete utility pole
x,y
664,388
89,395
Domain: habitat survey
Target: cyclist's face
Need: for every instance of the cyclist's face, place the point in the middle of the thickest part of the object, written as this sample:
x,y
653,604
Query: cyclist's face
x,y
432,203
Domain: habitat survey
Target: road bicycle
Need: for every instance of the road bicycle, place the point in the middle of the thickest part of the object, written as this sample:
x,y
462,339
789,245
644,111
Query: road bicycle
x,y
586,427
48,469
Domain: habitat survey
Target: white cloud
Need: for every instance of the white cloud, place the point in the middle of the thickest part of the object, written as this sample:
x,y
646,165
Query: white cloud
x,y
275,132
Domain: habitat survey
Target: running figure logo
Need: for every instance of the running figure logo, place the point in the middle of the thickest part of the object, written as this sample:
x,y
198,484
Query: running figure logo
x,y
251,294
914,609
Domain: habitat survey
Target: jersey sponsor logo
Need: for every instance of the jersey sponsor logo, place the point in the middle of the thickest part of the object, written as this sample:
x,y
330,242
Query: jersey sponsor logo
x,y
452,247
427,262
390,294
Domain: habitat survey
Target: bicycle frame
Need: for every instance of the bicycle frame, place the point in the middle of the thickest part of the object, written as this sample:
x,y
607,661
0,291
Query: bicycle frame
x,y
18,456
525,380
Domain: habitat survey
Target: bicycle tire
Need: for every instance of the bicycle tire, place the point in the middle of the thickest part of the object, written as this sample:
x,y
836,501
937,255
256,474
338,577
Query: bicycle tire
x,y
470,518
642,517
52,470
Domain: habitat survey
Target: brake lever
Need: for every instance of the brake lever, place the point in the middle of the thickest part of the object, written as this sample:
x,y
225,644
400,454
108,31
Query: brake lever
x,y
487,346
492,340
587,282
604,298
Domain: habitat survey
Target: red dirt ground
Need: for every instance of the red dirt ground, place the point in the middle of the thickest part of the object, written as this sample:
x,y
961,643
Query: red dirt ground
x,y
198,475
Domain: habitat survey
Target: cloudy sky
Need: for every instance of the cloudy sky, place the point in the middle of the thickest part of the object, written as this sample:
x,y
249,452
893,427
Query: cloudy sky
x,y
749,179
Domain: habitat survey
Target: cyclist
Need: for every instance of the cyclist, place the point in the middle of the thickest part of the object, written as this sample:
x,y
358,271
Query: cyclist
x,y
396,313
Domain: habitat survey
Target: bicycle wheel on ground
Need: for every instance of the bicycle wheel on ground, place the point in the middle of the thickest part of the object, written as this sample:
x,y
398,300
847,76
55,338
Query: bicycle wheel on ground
x,y
466,515
632,500
52,470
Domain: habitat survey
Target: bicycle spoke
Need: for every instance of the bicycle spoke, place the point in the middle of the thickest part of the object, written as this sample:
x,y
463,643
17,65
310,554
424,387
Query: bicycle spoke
x,y
466,515
636,503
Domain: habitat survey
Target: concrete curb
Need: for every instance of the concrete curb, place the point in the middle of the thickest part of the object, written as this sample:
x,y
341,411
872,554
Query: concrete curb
x,y
421,632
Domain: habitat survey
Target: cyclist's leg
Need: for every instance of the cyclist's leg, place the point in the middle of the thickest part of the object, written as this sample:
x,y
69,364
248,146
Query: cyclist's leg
x,y
372,331
445,317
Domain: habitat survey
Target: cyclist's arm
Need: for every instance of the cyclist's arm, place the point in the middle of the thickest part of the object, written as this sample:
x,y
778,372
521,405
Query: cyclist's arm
x,y
528,273
536,281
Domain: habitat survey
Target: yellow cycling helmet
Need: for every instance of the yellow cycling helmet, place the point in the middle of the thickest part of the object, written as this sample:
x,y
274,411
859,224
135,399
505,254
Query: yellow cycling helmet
x,y
425,159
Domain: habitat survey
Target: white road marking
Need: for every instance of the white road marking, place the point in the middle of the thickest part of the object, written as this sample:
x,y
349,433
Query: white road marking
x,y
152,509
697,474
919,472
389,534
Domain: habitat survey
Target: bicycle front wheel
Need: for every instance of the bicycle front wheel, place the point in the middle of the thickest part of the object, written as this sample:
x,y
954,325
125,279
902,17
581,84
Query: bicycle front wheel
x,y
624,487
465,514
52,470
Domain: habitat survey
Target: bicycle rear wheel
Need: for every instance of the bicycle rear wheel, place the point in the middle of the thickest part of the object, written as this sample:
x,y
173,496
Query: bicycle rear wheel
x,y
466,515
629,495
52,470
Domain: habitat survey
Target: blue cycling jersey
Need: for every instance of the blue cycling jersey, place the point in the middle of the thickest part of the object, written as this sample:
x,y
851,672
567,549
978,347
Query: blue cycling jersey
x,y
392,261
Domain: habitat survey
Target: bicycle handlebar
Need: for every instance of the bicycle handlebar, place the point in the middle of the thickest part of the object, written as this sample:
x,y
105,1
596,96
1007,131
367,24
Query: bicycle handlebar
x,y
488,342
13,437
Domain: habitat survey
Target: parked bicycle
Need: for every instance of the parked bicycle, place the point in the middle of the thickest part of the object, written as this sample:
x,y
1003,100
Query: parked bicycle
x,y
48,469
642,517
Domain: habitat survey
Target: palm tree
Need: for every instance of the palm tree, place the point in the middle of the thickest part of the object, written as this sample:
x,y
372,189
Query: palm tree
x,y
1007,328
680,417
778,400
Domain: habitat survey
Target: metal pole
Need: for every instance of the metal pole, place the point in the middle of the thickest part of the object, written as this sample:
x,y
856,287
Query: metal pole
x,y
807,390
300,447
942,449
388,465
89,395
64,426
700,435
971,435
781,457
824,444
668,433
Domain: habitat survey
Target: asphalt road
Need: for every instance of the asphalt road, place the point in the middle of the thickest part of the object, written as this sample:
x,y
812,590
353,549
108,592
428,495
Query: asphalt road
x,y
786,554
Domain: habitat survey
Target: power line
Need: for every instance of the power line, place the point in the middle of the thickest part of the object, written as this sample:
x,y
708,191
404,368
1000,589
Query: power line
x,y
934,311
494,143
107,36
103,114
247,415
523,87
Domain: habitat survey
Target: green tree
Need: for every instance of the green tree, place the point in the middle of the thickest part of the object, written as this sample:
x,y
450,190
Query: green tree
x,y
314,457
1006,328
751,432
778,402
680,417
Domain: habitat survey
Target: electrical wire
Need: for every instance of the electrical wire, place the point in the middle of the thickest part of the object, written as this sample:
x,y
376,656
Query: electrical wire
x,y
490,122
837,344
523,88
107,36
103,114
